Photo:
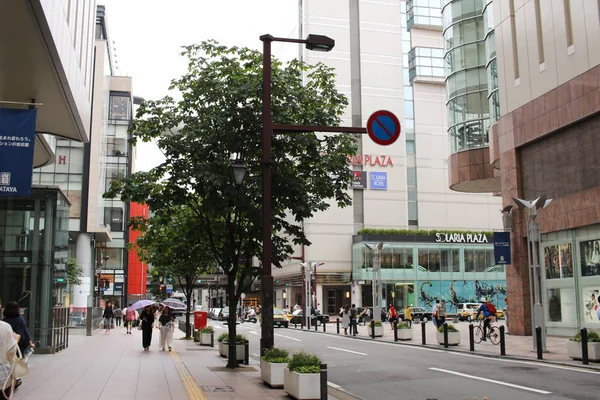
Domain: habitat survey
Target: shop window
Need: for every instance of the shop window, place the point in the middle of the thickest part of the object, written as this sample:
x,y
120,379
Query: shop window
x,y
113,217
558,261
590,257
475,260
113,258
430,260
450,260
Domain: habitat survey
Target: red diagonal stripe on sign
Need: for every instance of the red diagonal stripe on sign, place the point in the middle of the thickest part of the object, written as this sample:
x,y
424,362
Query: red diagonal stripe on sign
x,y
384,128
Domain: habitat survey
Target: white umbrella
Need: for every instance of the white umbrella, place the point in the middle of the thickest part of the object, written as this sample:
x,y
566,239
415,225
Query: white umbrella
x,y
174,304
141,304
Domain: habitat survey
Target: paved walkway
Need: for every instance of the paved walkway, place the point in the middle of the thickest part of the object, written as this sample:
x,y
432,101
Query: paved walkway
x,y
114,366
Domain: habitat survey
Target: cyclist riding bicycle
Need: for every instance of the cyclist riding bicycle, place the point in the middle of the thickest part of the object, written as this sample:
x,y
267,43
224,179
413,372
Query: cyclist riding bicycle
x,y
488,315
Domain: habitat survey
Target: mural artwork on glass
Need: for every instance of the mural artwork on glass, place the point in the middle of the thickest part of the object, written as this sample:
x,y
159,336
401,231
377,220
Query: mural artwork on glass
x,y
461,291
590,257
566,260
591,311
551,262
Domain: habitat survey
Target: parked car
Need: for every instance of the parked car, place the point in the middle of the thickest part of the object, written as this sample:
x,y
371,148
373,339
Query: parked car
x,y
317,318
223,314
417,312
215,313
279,318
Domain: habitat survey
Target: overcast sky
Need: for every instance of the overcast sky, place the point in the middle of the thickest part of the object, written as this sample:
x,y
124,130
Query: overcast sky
x,y
148,35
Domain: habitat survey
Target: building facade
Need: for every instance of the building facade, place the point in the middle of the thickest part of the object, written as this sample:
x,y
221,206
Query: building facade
x,y
389,55
545,143
137,270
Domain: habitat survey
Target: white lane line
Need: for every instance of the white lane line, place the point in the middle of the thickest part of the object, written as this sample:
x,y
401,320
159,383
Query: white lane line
x,y
288,337
349,351
529,389
254,333
333,385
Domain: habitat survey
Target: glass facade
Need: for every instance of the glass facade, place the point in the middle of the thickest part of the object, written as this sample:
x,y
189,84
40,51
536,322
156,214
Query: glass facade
x,y
491,62
467,80
424,13
418,273
426,62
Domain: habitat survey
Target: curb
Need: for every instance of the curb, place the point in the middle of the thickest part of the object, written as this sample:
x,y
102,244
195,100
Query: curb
x,y
498,356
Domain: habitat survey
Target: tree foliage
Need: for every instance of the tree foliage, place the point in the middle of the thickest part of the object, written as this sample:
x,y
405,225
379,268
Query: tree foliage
x,y
219,118
74,272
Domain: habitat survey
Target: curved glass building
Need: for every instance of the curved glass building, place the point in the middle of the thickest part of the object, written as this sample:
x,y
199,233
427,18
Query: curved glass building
x,y
466,83
491,63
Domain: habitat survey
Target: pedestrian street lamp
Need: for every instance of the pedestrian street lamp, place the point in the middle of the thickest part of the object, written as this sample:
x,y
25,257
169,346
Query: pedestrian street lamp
x,y
534,244
376,280
315,43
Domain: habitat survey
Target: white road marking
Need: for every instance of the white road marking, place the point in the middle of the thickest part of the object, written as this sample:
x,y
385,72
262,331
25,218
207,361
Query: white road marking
x,y
287,337
349,351
255,355
254,333
333,385
491,381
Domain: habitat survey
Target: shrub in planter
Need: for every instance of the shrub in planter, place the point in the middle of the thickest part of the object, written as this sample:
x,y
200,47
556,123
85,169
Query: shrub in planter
x,y
574,346
453,335
404,331
205,334
240,340
378,328
272,365
302,378
222,337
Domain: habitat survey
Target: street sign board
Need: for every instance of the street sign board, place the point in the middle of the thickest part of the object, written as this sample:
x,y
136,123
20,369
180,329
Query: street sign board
x,y
169,288
383,127
502,248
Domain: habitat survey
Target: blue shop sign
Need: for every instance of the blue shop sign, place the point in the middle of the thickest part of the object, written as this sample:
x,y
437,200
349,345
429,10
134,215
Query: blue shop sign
x,y
17,141
502,248
378,180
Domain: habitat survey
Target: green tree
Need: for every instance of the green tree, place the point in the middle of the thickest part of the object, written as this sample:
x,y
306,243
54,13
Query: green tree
x,y
218,119
74,272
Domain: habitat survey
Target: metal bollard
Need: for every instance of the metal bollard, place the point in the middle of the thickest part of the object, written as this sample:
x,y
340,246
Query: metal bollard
x,y
246,353
423,334
296,324
324,326
395,331
212,339
471,338
373,329
502,342
337,322
316,324
445,335
584,346
538,342
324,395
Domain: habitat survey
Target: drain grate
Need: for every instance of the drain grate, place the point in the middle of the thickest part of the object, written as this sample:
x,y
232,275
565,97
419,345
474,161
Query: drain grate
x,y
217,388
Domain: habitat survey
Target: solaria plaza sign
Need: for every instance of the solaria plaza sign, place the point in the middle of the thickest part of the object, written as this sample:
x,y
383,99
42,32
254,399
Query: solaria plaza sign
x,y
371,160
461,238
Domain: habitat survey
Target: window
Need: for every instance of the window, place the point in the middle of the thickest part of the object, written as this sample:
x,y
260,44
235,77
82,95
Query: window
x,y
450,260
412,210
113,258
424,13
411,176
120,108
426,61
429,260
480,260
113,217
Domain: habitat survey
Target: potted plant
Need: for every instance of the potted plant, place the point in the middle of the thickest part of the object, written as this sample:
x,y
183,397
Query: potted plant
x,y
378,328
240,341
272,365
574,346
302,377
453,335
404,331
205,335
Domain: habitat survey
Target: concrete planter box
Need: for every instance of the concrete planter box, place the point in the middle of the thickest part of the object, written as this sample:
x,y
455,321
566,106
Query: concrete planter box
x,y
272,373
239,351
302,386
453,338
405,334
378,331
205,339
574,351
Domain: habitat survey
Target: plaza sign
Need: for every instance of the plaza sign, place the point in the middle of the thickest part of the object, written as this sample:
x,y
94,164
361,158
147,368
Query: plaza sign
x,y
372,160
461,238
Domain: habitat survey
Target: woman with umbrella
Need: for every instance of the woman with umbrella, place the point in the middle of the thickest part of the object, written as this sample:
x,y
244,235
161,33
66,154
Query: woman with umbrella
x,y
147,317
166,321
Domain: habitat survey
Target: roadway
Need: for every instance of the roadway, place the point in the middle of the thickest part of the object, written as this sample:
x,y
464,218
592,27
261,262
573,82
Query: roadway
x,y
379,370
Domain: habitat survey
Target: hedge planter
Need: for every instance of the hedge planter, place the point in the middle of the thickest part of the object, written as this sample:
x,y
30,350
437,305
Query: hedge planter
x,y
453,338
574,350
272,373
205,339
405,334
378,330
302,386
239,351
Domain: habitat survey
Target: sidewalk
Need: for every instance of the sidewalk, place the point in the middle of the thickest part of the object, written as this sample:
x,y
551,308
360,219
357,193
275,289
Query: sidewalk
x,y
114,366
516,346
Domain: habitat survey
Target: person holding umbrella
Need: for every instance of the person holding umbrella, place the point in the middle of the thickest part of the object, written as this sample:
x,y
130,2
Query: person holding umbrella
x,y
167,326
147,317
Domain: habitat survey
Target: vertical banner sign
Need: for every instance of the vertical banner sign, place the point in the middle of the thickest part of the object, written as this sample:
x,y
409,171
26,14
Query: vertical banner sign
x,y
303,287
17,139
502,248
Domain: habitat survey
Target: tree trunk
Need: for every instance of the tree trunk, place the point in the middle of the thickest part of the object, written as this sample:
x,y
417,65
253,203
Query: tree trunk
x,y
232,361
188,296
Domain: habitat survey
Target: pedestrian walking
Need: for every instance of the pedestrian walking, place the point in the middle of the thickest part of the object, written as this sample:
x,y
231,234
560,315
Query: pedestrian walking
x,y
434,312
441,313
353,327
108,316
147,321
12,316
8,351
167,326
130,316
118,316
392,315
364,315
408,315
345,314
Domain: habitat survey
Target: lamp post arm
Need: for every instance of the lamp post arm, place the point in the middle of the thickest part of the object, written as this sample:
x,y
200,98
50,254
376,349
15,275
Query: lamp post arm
x,y
283,128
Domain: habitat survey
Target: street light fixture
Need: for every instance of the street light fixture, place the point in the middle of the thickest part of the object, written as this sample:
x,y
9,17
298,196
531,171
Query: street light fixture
x,y
312,42
239,172
534,244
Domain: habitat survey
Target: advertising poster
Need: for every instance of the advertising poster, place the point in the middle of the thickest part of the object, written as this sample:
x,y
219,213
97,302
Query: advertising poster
x,y
590,257
551,262
591,311
379,180
359,180
460,291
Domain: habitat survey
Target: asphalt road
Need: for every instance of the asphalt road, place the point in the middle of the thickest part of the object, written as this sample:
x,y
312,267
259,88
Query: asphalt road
x,y
378,371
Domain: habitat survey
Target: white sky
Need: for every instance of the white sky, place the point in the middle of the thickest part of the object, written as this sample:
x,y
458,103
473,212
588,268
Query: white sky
x,y
148,35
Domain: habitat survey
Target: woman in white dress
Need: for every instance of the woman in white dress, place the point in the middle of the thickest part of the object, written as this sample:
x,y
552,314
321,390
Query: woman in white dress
x,y
346,318
8,349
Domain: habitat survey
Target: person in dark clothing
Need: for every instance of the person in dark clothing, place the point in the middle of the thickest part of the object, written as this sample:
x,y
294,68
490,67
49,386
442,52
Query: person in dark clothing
x,y
353,327
13,317
147,317
108,316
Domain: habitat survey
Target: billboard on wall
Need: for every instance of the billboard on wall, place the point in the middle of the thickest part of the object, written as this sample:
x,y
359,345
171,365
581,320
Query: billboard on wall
x,y
460,291
359,180
558,261
590,257
378,180
17,140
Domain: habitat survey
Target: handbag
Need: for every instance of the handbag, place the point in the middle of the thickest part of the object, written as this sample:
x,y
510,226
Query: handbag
x,y
18,370
139,326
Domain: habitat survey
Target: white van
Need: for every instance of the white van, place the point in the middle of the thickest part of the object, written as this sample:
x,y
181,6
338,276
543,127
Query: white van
x,y
467,311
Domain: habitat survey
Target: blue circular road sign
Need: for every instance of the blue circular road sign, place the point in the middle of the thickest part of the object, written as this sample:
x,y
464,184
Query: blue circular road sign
x,y
383,127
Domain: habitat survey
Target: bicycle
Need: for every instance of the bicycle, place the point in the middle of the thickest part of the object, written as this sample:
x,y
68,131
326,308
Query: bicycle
x,y
493,333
